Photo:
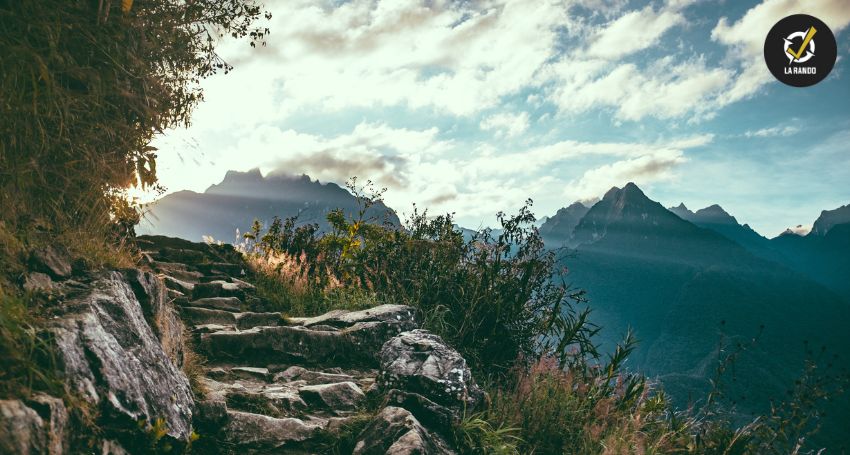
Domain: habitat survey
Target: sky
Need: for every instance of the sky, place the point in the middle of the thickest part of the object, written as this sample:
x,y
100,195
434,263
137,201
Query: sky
x,y
472,107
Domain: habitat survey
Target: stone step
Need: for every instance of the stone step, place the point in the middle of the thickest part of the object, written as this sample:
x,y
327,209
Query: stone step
x,y
218,289
177,270
357,345
222,268
245,432
198,316
233,304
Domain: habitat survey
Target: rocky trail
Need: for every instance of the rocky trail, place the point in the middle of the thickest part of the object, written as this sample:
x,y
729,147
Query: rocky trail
x,y
294,385
362,382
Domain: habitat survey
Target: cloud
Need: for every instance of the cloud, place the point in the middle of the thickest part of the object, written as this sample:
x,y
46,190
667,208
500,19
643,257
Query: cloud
x,y
632,32
745,39
664,89
506,124
788,130
641,170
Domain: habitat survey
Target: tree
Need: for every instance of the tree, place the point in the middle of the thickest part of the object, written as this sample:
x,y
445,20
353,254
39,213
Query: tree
x,y
85,86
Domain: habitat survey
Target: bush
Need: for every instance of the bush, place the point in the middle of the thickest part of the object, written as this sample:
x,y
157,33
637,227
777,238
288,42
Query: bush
x,y
492,296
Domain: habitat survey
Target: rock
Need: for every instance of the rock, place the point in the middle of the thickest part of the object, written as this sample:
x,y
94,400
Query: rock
x,y
38,282
24,430
234,373
261,433
357,345
277,400
248,320
217,289
184,287
402,316
110,447
222,268
177,270
160,314
109,355
420,362
297,373
53,260
201,316
395,431
218,303
432,415
339,396
210,413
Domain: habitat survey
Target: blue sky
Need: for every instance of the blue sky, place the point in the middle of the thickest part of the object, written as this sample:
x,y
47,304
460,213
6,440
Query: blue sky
x,y
472,107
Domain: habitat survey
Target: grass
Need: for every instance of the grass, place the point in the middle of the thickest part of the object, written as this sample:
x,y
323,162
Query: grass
x,y
27,357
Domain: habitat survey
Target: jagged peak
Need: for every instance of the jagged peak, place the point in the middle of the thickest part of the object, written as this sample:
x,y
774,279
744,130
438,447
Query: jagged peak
x,y
611,193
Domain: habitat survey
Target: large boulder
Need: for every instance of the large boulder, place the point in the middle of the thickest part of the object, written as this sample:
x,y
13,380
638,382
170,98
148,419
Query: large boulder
x,y
109,354
395,431
422,363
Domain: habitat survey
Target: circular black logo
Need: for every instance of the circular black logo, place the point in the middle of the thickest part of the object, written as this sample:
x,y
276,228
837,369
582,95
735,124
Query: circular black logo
x,y
800,50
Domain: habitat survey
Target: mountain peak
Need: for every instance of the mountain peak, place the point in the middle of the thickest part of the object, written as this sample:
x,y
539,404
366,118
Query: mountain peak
x,y
830,218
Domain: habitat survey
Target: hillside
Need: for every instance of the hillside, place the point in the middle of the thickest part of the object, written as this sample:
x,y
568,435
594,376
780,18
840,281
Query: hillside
x,y
685,288
243,196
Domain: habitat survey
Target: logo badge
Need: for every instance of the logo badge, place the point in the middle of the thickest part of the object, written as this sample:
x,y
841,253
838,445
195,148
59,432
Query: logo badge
x,y
800,50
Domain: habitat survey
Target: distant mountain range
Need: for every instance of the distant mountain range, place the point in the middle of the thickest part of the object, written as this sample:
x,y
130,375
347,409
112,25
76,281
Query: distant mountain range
x,y
686,280
243,196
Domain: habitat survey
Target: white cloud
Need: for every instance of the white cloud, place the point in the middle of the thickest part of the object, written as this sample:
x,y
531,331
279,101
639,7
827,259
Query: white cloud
x,y
632,32
641,170
664,89
506,124
745,39
784,131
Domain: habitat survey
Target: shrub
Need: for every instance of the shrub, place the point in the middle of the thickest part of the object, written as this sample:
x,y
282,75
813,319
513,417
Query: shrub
x,y
492,296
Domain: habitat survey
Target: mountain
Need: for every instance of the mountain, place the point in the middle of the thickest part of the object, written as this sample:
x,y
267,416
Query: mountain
x,y
830,218
824,253
557,229
684,289
243,196
718,220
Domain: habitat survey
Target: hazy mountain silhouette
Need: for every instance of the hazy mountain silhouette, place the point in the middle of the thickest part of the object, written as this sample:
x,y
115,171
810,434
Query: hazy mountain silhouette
x,y
557,229
684,286
823,254
718,220
242,196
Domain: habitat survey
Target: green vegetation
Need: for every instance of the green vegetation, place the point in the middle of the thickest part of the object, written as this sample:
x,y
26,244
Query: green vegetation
x,y
500,299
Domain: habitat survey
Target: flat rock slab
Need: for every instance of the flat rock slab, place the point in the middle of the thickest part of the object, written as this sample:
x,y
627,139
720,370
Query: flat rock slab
x,y
201,316
183,287
247,320
401,315
297,373
339,396
217,289
357,345
260,433
218,303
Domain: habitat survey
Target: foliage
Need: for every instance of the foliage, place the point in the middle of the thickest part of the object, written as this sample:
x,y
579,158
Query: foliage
x,y
26,359
492,296
85,86
499,298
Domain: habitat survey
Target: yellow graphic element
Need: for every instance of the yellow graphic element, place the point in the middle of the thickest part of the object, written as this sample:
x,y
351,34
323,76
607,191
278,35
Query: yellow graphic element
x,y
802,49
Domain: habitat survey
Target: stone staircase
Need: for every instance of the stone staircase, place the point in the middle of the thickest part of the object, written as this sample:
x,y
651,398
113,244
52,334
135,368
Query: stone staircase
x,y
277,384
